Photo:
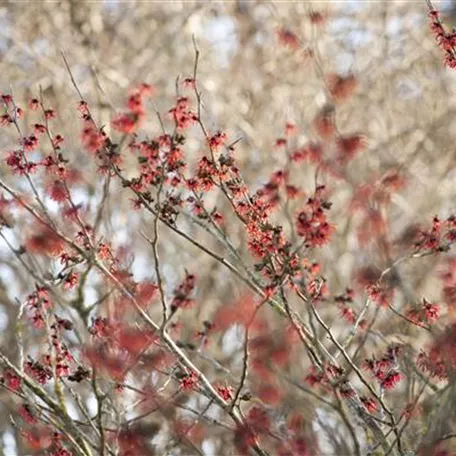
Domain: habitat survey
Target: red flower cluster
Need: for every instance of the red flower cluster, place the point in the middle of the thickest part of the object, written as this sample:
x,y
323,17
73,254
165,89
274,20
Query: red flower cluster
x,y
342,300
225,392
11,380
206,172
63,357
18,163
314,377
183,116
188,382
38,303
380,294
426,313
440,361
385,369
92,138
100,328
311,151
312,223
40,371
217,140
341,87
182,295
27,414
45,242
446,41
128,122
349,146
270,192
439,237
391,379
370,404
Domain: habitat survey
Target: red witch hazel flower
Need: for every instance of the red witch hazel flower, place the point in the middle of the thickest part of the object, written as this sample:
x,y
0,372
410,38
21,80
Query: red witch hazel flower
x,y
440,361
311,151
314,377
348,314
217,140
281,142
381,295
340,87
270,191
445,40
70,281
225,392
92,138
38,303
391,380
34,104
290,128
100,327
288,38
39,129
183,116
370,404
182,295
433,363
5,119
57,191
188,382
312,224
125,123
11,380
385,369
205,174
45,242
349,146
128,122
29,143
427,313
38,371
25,411
440,237
7,98
189,82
